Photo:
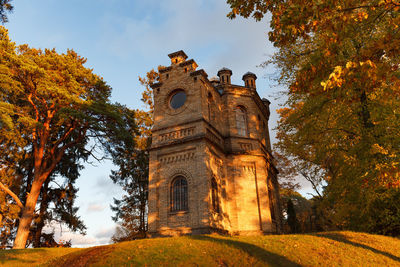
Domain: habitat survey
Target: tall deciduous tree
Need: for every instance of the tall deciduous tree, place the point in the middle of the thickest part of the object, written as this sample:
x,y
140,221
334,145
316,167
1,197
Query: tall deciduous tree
x,y
340,61
133,172
51,105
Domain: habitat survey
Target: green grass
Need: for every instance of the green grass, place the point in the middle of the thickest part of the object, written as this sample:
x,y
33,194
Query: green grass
x,y
321,249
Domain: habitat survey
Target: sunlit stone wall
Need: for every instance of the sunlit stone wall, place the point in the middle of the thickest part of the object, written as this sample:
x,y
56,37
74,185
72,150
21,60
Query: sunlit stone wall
x,y
197,137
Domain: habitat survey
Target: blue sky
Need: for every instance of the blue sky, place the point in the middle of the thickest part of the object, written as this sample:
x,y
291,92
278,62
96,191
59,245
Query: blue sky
x,y
123,39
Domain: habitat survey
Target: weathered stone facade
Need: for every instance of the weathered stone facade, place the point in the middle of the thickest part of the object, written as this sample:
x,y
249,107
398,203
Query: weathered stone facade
x,y
218,144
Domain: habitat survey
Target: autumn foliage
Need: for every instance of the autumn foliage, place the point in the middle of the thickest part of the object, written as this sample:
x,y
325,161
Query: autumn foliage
x,y
54,112
340,63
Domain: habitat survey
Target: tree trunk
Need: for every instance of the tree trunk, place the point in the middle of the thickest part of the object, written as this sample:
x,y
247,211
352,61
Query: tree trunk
x,y
27,215
44,203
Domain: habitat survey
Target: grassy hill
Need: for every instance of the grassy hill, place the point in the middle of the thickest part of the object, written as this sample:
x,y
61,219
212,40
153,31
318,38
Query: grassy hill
x,y
321,249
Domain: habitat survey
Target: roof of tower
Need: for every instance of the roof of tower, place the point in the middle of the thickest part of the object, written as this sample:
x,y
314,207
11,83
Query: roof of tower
x,y
249,74
178,53
224,70
265,100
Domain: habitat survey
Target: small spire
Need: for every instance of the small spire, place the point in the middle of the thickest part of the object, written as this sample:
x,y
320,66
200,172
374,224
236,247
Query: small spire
x,y
224,75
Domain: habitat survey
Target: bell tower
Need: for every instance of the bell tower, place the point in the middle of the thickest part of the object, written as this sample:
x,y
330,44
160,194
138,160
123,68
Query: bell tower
x,y
211,169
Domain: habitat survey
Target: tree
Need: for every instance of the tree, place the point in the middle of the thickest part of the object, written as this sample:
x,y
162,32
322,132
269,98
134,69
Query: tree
x,y
133,172
51,105
340,63
56,201
292,218
5,7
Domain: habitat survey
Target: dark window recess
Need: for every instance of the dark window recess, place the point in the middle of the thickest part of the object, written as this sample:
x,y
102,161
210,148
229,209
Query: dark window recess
x,y
179,194
195,79
167,75
241,121
271,204
178,99
185,69
214,195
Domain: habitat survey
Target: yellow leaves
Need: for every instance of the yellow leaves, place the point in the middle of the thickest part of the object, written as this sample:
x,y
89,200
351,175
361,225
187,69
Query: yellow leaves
x,y
389,174
340,74
350,65
369,63
377,149
327,53
334,79
361,16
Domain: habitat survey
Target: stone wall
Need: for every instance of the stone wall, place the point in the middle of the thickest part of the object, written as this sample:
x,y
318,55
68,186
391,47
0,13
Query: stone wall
x,y
200,141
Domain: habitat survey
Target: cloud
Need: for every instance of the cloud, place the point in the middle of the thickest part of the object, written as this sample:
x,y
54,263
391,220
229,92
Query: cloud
x,y
105,186
95,207
200,26
61,233
105,233
78,240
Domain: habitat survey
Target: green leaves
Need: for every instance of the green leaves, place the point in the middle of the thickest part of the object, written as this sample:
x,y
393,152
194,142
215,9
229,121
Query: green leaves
x,y
340,63
52,106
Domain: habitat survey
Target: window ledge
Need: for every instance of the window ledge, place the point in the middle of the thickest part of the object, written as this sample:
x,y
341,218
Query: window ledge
x,y
180,212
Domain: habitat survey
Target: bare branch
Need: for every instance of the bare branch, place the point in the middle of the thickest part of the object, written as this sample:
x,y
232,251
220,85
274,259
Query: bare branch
x,y
64,137
11,193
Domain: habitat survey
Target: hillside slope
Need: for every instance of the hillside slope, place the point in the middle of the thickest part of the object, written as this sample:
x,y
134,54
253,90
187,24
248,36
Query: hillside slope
x,y
321,249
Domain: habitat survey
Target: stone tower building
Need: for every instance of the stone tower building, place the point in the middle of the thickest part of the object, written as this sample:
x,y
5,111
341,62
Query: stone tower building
x,y
211,168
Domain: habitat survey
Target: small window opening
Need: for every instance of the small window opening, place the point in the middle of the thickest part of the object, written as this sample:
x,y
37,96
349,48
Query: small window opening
x,y
167,76
185,69
195,79
177,99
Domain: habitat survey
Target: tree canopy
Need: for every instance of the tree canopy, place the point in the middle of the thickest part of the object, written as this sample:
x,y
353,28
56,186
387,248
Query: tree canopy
x,y
5,7
340,63
133,172
51,107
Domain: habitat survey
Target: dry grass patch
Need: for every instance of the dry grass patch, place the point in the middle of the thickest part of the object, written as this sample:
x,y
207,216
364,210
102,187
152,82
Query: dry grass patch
x,y
320,249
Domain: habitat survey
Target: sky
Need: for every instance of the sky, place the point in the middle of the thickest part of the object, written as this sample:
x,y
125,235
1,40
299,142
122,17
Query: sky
x,y
122,40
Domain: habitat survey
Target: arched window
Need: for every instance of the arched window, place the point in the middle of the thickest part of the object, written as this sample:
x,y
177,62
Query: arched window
x,y
214,195
179,194
241,121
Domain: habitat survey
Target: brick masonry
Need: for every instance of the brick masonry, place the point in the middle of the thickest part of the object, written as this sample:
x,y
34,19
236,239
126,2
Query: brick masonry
x,y
199,141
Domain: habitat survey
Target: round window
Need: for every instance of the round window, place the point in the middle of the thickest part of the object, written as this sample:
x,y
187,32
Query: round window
x,y
177,99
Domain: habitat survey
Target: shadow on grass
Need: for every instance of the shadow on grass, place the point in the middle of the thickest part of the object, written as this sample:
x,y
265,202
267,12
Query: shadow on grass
x,y
86,257
7,256
261,254
342,238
